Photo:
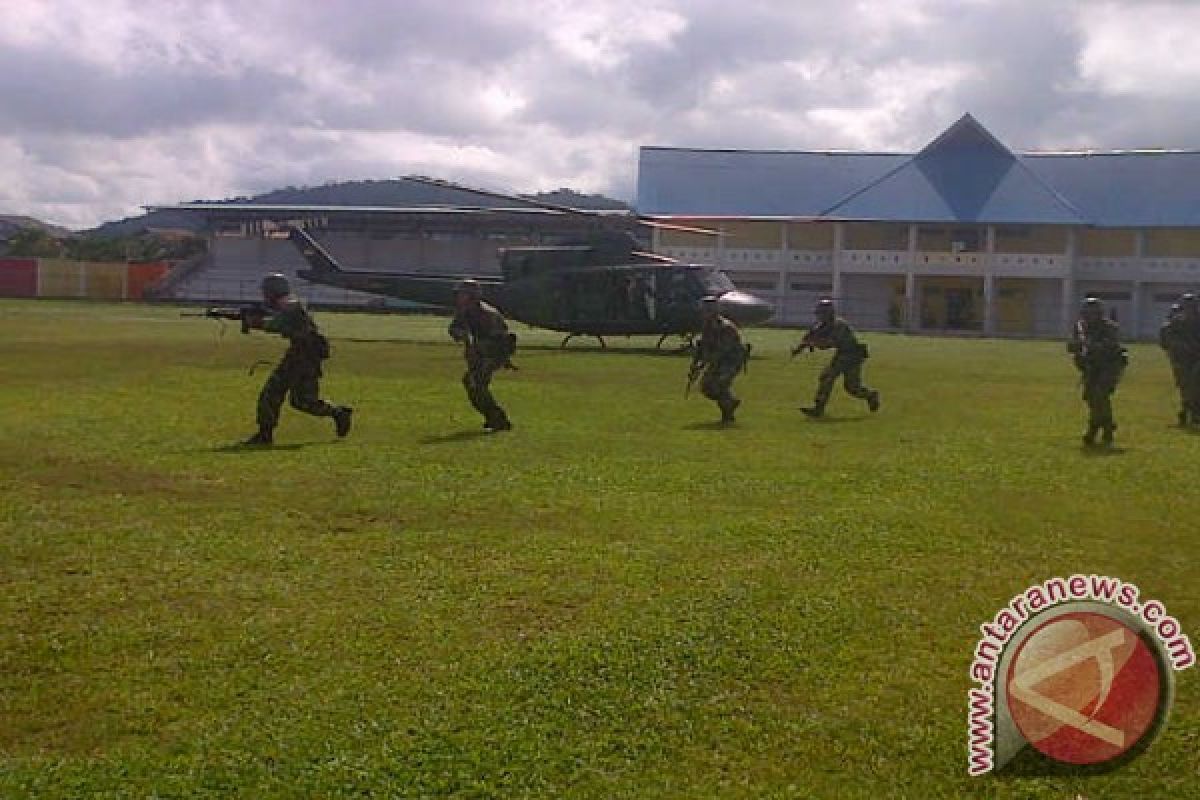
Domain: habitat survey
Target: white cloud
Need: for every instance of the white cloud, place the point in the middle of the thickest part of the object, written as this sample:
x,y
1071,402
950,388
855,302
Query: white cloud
x,y
1147,49
108,105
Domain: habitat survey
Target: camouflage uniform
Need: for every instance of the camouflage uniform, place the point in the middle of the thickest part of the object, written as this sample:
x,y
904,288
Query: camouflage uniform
x,y
1181,346
722,354
487,347
1101,360
298,375
847,363
1189,357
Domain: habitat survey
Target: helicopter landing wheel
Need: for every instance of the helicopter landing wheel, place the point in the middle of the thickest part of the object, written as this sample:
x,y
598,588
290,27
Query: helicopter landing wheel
x,y
687,342
570,336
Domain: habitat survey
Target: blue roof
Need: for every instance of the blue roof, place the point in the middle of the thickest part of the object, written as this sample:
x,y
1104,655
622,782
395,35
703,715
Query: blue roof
x,y
964,175
1145,189
739,183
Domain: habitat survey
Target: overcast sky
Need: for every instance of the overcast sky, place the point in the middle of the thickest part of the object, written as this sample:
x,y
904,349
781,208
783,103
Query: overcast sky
x,y
107,105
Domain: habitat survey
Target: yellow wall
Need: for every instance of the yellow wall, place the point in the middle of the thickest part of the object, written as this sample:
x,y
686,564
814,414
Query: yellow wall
x,y
1042,239
875,236
941,238
935,306
753,234
1173,242
1014,305
1107,242
675,238
104,281
810,235
58,278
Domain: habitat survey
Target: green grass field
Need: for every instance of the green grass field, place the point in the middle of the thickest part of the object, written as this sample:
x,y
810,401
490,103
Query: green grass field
x,y
618,599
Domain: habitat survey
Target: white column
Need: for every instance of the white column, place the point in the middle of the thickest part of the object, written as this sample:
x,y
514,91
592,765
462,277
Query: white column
x,y
989,303
912,304
1069,310
989,284
839,239
782,290
1135,312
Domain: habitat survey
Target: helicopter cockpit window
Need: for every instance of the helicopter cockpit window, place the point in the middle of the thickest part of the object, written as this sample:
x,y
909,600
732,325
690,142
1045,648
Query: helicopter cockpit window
x,y
716,282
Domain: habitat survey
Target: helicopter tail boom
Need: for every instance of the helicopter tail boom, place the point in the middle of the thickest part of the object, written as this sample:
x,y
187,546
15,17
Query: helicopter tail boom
x,y
317,257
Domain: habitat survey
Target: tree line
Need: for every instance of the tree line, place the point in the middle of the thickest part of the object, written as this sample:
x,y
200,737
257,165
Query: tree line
x,y
36,243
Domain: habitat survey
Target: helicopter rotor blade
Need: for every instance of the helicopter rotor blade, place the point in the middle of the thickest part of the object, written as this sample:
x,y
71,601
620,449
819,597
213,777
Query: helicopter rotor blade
x,y
670,226
502,196
616,214
659,257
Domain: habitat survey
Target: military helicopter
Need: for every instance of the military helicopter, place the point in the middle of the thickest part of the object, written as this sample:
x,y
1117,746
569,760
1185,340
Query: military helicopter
x,y
602,285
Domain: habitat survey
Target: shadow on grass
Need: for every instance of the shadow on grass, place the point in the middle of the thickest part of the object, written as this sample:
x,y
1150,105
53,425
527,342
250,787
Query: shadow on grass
x,y
238,447
1100,451
457,436
715,425
611,350
834,420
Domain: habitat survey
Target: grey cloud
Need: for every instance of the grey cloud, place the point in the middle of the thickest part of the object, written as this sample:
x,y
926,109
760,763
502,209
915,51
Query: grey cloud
x,y
45,91
292,86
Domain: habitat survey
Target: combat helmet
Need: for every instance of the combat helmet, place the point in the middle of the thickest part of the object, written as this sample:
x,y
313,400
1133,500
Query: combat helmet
x,y
275,285
1091,306
469,287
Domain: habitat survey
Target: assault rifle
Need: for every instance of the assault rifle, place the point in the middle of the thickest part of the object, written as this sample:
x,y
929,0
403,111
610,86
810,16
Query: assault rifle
x,y
810,340
249,316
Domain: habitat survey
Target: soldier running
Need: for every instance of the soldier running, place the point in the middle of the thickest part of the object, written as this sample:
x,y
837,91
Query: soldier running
x,y
298,374
721,355
831,331
1189,357
487,346
1097,351
1178,343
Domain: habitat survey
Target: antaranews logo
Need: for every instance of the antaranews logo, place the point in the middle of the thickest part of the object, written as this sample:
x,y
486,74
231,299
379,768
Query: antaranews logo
x,y
1078,668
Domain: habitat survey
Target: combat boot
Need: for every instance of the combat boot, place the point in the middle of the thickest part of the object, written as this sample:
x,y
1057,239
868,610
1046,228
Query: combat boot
x,y
497,424
1089,438
812,412
1106,434
264,438
727,417
342,417
873,401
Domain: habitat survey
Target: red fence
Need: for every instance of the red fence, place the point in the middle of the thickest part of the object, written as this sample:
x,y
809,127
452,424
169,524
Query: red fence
x,y
18,277
52,277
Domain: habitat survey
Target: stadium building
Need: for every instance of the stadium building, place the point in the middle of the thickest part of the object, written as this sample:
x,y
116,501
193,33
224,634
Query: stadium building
x,y
963,236
434,229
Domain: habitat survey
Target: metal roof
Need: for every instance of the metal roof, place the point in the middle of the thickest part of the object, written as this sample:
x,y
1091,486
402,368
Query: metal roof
x,y
728,183
964,175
